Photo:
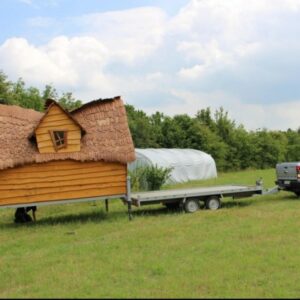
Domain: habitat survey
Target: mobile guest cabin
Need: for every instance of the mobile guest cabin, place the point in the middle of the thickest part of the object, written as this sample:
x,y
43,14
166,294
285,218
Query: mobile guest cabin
x,y
60,156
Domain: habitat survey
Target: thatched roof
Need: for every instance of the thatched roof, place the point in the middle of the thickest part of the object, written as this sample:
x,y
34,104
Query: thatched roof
x,y
107,135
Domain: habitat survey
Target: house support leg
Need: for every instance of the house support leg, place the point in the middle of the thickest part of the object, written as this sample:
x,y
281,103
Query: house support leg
x,y
106,205
129,202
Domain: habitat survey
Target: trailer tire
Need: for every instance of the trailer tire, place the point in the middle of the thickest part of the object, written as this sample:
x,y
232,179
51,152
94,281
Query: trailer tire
x,y
191,205
213,203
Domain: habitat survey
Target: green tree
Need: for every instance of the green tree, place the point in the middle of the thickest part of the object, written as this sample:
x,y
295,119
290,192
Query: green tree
x,y
156,121
5,89
174,136
201,137
141,129
68,102
243,148
205,118
293,145
49,93
270,148
26,97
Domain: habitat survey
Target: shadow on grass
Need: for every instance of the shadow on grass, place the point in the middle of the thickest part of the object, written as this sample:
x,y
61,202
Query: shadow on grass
x,y
236,203
94,217
165,211
82,218
102,216
156,211
272,198
288,196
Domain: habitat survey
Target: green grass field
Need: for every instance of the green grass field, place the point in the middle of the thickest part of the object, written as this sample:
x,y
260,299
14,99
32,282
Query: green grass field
x,y
249,249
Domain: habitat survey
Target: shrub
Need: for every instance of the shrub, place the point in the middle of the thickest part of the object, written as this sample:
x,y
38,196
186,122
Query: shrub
x,y
149,178
138,179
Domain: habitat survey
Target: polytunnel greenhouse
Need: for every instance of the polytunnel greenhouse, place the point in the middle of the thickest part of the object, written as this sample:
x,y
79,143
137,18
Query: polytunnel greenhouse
x,y
186,164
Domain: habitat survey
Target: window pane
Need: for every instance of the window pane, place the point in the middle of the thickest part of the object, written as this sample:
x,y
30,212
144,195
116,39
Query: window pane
x,y
59,138
59,135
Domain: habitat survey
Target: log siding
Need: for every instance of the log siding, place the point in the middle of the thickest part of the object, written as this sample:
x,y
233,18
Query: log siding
x,y
61,180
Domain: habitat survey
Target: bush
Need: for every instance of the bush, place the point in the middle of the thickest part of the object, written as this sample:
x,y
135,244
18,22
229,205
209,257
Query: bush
x,y
149,178
156,176
138,179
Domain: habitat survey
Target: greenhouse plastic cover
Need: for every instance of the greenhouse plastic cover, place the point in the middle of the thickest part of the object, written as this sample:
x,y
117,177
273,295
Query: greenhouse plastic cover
x,y
187,164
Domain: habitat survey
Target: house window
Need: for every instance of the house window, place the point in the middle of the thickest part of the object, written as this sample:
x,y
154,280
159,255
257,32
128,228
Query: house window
x,y
59,139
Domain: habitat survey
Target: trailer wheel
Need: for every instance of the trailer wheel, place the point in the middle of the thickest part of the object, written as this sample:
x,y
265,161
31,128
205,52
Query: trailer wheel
x,y
213,203
191,205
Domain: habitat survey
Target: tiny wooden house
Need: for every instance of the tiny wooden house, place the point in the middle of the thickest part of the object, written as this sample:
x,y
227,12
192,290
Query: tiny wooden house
x,y
59,156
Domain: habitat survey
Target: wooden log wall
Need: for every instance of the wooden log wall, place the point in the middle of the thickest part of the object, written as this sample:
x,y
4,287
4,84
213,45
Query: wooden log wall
x,y
61,180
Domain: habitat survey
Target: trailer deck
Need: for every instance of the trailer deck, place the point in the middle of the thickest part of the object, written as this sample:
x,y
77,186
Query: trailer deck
x,y
199,193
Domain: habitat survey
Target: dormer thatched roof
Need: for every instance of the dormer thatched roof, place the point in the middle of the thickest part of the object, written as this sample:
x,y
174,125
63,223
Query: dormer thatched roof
x,y
107,135
49,104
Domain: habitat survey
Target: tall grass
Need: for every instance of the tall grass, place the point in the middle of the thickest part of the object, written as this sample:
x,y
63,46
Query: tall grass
x,y
249,249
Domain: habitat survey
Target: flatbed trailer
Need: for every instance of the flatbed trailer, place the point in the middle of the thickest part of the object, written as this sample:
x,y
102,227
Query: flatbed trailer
x,y
190,198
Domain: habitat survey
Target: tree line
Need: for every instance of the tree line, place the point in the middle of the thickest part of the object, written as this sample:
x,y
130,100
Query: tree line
x,y
16,93
231,145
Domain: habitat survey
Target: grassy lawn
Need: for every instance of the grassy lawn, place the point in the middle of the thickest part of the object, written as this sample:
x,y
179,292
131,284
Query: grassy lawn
x,y
248,248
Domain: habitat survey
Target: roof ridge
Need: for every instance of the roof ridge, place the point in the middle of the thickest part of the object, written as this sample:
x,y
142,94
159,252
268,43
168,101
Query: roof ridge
x,y
100,100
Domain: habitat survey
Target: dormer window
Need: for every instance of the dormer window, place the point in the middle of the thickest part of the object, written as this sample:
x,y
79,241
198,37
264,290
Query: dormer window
x,y
59,139
57,131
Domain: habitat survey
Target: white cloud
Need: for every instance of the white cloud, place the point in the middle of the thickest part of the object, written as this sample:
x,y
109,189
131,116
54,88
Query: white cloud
x,y
63,61
242,55
154,76
130,34
192,73
217,32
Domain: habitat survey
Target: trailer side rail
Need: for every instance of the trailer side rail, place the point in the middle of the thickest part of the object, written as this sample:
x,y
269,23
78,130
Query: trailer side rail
x,y
236,191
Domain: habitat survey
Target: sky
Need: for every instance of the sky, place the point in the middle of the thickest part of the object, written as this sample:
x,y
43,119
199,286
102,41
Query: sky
x,y
172,56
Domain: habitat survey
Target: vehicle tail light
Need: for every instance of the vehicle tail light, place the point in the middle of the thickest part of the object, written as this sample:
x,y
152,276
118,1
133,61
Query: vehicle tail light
x,y
298,171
